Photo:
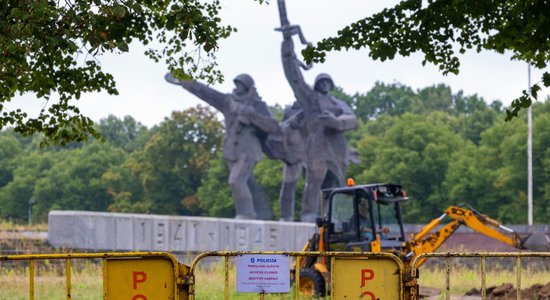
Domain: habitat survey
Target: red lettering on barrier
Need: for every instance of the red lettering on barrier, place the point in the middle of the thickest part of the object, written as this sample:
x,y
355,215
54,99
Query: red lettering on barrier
x,y
138,277
366,275
139,296
369,293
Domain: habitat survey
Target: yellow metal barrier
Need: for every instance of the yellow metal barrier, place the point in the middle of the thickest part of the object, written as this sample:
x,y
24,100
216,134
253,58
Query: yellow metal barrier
x,y
344,263
483,256
130,275
138,275
157,275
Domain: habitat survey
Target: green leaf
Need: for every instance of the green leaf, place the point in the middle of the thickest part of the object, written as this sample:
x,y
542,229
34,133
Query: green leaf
x,y
122,46
120,11
534,92
546,79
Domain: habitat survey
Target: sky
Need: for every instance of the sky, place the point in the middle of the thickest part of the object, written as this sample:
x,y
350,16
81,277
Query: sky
x,y
255,49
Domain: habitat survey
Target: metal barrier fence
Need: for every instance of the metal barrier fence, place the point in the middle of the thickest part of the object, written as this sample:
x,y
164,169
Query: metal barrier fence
x,y
157,275
130,275
483,265
300,255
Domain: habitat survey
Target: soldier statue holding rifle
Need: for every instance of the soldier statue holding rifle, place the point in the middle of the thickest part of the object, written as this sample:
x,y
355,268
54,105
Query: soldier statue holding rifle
x,y
325,118
247,123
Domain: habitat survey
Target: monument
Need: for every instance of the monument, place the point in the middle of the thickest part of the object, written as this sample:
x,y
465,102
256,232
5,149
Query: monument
x,y
247,123
310,138
325,120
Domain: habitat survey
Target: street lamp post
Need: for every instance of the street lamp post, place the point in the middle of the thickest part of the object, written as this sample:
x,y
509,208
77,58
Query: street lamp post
x,y
529,154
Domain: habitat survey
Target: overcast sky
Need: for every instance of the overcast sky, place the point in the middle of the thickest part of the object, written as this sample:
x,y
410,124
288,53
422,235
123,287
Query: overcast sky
x,y
255,49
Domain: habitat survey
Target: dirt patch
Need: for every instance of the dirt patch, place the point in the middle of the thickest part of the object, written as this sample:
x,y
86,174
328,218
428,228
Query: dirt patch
x,y
507,291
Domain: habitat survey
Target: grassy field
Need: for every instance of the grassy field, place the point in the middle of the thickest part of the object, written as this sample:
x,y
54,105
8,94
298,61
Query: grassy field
x,y
87,283
50,282
463,280
10,226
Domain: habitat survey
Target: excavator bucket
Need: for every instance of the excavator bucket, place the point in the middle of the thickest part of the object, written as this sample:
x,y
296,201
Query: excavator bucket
x,y
537,241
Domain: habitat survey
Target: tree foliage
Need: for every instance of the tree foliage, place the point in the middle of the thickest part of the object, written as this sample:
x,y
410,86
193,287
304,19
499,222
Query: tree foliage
x,y
171,165
472,114
74,179
442,30
9,149
127,134
415,151
52,48
493,174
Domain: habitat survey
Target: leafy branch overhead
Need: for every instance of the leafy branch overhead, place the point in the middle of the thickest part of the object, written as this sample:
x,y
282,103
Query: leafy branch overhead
x,y
52,48
443,29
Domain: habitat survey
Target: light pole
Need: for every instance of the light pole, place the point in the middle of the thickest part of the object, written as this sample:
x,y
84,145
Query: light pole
x,y
529,153
31,203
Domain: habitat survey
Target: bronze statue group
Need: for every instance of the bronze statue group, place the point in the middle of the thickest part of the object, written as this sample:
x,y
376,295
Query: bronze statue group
x,y
310,137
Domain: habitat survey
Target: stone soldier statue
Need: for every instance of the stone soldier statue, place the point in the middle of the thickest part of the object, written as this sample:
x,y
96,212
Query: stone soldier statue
x,y
294,136
293,154
247,123
326,119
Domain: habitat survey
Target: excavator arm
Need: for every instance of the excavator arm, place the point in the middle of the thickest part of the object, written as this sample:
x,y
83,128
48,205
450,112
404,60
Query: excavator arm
x,y
425,241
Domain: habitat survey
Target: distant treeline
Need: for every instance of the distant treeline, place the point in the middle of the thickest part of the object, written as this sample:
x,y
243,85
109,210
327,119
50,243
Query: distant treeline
x,y
444,148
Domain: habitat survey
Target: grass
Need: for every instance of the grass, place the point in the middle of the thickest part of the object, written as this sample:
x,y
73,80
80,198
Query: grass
x,y
6,225
50,281
463,279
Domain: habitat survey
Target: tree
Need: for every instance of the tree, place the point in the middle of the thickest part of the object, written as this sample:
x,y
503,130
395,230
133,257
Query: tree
x,y
493,175
10,150
412,150
269,175
471,126
440,28
392,99
15,195
74,180
175,160
127,134
123,184
64,179
541,164
51,48
214,193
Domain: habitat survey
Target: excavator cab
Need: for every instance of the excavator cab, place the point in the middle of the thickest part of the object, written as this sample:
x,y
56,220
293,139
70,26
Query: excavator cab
x,y
364,218
356,218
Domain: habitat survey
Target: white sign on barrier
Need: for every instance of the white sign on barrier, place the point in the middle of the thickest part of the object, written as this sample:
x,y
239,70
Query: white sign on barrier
x,y
263,273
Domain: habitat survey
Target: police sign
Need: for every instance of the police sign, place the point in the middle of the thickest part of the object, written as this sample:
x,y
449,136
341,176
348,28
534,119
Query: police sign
x,y
263,273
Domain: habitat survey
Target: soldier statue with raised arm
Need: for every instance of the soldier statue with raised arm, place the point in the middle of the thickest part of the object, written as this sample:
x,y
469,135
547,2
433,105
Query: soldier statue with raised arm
x,y
326,120
247,123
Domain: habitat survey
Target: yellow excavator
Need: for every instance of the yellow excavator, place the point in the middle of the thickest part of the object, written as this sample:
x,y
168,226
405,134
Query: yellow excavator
x,y
367,218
